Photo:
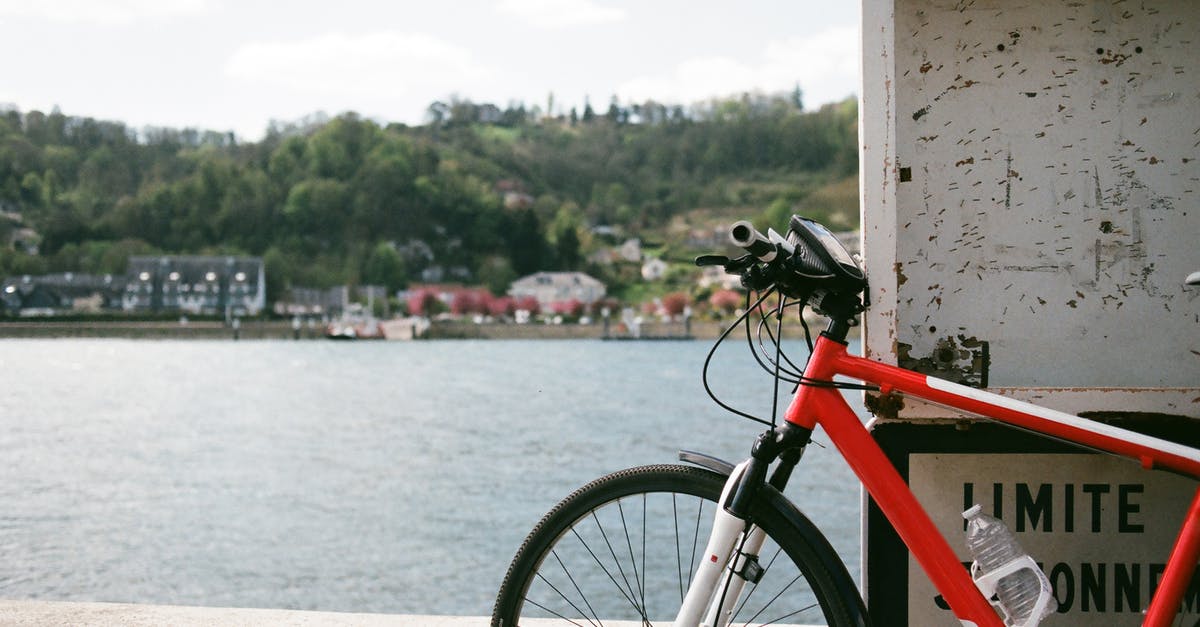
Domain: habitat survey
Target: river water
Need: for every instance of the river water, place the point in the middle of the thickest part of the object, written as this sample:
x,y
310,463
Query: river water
x,y
369,477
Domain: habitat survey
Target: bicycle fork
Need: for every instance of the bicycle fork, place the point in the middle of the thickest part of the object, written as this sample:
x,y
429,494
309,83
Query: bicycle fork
x,y
715,587
731,555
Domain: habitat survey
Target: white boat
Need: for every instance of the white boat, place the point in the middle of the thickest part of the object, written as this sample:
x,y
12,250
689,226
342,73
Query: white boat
x,y
409,328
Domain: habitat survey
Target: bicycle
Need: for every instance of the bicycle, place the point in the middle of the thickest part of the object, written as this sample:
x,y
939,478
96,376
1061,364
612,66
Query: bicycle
x,y
763,562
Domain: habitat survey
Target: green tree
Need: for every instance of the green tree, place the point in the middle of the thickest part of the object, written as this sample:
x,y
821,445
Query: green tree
x,y
383,192
496,272
525,243
385,266
338,149
316,209
566,248
247,215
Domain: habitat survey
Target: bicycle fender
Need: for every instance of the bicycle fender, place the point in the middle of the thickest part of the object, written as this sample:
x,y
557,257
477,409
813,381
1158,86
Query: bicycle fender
x,y
704,460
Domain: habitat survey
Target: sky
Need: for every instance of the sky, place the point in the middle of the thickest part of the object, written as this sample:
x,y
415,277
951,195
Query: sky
x,y
236,65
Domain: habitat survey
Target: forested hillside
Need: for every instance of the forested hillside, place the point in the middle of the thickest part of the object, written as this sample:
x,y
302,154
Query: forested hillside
x,y
482,193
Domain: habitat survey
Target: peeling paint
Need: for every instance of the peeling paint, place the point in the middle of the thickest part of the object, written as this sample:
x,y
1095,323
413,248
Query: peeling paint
x,y
964,360
885,406
1058,182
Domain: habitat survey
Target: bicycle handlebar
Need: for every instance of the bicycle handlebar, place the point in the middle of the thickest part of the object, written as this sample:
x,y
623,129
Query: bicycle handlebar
x,y
810,264
743,234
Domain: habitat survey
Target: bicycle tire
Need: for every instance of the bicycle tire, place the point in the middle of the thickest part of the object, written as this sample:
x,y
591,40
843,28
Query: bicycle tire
x,y
610,558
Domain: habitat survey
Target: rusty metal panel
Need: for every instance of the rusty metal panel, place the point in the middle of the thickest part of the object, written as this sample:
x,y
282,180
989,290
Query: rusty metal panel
x,y
1031,197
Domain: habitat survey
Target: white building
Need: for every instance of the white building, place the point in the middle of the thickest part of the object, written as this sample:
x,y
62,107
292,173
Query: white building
x,y
631,250
653,269
556,287
717,276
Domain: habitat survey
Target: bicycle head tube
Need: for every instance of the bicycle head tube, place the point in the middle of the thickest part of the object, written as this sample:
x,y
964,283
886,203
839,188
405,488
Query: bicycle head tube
x,y
785,442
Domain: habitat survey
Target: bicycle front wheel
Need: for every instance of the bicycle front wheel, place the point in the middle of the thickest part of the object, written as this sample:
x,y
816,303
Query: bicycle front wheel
x,y
622,550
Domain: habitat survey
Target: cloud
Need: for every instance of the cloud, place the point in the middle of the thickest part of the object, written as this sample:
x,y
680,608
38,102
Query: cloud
x,y
561,13
368,69
107,12
825,66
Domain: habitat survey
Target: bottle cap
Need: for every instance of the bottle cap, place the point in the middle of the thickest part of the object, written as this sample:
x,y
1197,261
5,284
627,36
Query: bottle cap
x,y
973,511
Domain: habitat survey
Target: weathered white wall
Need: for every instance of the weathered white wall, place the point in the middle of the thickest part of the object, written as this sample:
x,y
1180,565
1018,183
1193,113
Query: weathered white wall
x,y
1031,179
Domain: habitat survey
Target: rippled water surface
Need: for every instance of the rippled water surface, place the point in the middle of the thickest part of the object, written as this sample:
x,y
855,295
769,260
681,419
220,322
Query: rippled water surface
x,y
373,477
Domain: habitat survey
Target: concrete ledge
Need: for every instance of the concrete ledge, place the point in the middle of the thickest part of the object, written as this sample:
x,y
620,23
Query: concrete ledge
x,y
127,614
20,613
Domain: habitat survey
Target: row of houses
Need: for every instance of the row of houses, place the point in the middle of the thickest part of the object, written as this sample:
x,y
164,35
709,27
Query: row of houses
x,y
230,286
236,286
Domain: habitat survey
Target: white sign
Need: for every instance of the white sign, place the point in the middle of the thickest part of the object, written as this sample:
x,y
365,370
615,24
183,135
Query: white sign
x,y
1100,527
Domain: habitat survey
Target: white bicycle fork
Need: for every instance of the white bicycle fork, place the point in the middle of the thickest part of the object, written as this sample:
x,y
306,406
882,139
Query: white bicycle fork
x,y
716,586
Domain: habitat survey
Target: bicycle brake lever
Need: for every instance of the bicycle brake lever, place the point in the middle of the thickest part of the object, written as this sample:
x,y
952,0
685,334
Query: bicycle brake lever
x,y
712,260
739,265
732,266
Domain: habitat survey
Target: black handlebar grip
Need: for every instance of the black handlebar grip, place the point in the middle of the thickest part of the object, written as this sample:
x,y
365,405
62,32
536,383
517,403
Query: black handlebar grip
x,y
745,235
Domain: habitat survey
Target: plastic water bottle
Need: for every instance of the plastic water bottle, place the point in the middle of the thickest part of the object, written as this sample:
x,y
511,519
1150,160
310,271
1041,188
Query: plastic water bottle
x,y
1002,567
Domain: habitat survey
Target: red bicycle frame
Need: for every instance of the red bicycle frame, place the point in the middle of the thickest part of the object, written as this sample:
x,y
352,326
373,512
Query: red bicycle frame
x,y
813,405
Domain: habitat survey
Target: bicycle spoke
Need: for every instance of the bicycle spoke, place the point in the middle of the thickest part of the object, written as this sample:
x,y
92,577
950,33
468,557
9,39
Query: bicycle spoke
x,y
630,597
775,598
550,611
678,555
629,545
695,540
576,585
564,597
644,574
604,568
789,615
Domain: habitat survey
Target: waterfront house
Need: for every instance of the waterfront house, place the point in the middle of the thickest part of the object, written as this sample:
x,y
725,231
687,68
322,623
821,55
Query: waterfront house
x,y
631,250
556,287
325,303
717,277
64,292
313,301
25,239
196,284
653,269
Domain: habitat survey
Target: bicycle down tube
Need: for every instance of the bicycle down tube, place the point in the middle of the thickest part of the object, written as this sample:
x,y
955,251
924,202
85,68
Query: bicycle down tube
x,y
813,405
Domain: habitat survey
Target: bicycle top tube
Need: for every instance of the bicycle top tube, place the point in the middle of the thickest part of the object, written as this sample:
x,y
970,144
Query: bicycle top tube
x,y
830,358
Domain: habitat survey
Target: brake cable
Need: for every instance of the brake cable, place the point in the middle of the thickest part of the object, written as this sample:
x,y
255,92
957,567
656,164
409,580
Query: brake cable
x,y
712,351
774,367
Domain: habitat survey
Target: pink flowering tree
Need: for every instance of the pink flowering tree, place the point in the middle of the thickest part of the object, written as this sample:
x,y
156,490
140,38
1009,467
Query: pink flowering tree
x,y
528,303
675,303
725,301
463,303
423,302
573,307
498,306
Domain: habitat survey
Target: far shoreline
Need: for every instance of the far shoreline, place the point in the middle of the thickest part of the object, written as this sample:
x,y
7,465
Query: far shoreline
x,y
283,330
